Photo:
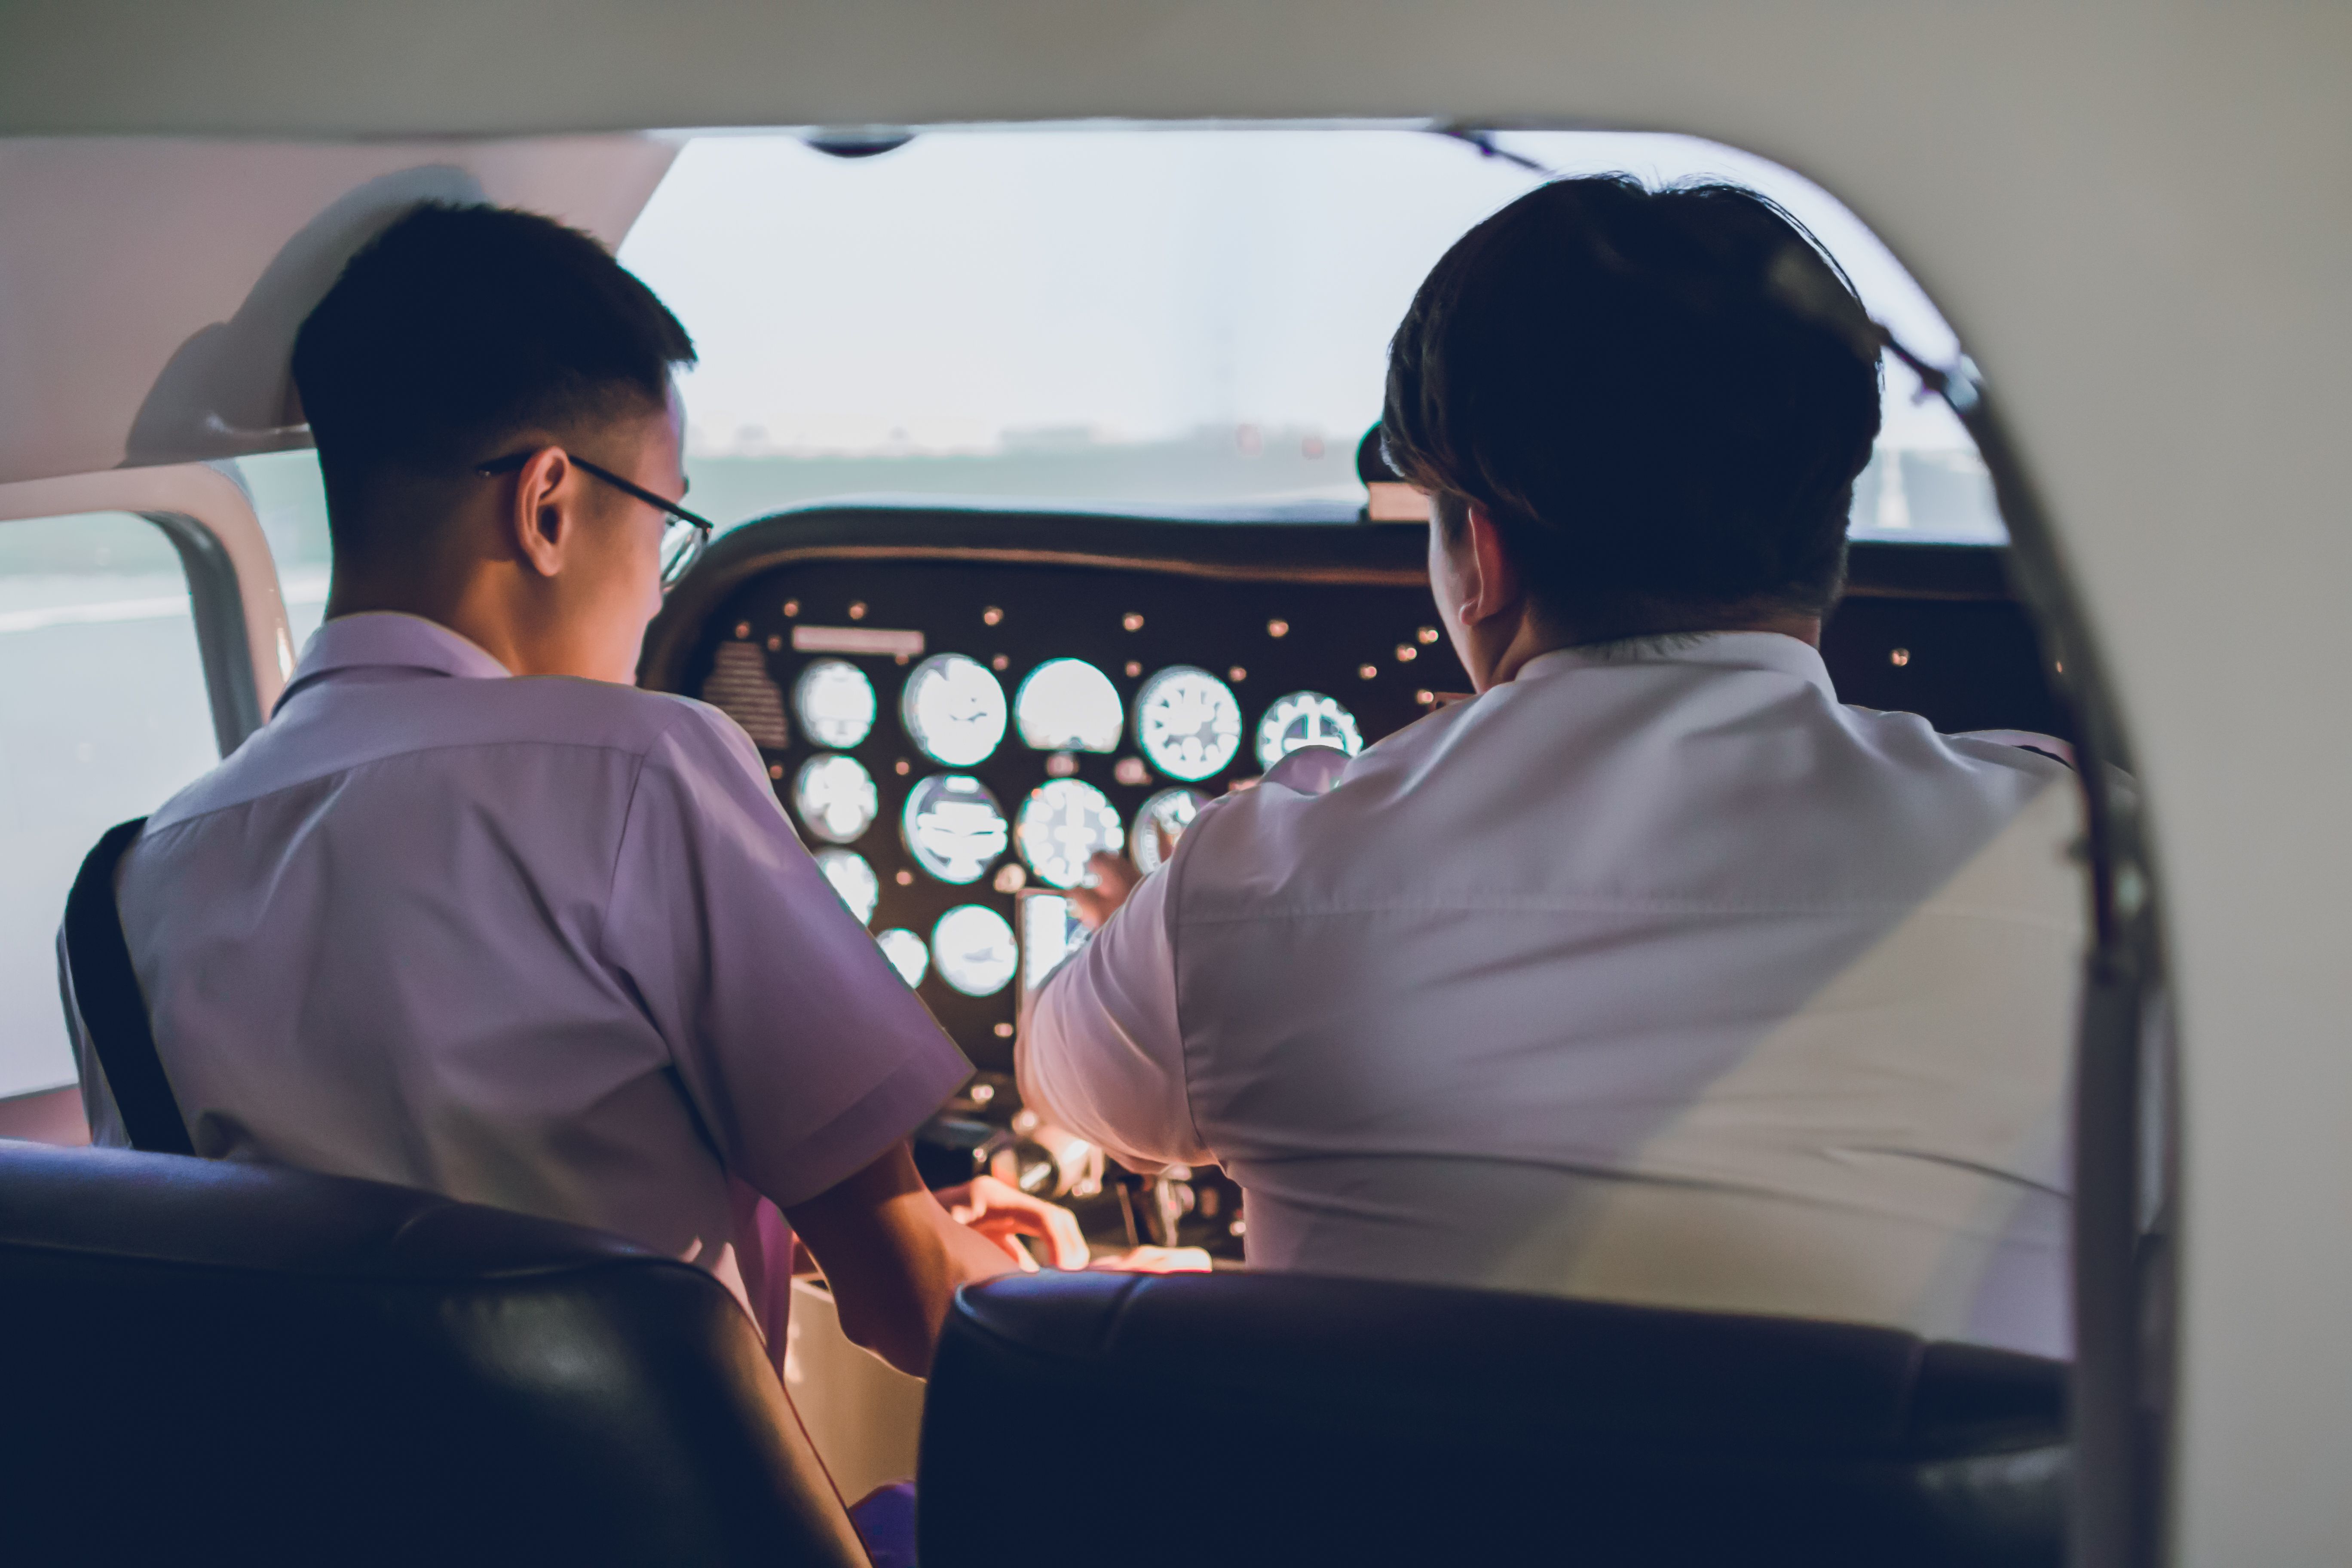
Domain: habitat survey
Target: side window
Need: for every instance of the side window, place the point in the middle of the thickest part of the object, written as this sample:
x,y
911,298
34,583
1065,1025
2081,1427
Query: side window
x,y
103,714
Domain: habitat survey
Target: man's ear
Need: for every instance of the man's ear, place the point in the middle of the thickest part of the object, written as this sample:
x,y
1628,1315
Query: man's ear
x,y
1495,588
540,523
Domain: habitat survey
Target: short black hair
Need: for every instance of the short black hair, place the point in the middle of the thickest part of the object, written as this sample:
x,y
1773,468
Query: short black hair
x,y
456,328
1663,398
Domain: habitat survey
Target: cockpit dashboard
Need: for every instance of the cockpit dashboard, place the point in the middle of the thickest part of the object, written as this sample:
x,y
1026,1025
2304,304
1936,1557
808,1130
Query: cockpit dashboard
x,y
948,723
956,708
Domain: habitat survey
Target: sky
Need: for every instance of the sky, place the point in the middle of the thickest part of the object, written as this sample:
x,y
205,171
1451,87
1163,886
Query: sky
x,y
981,291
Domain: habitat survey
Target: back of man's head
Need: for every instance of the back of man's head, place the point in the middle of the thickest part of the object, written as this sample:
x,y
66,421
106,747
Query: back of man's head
x,y
456,329
1665,430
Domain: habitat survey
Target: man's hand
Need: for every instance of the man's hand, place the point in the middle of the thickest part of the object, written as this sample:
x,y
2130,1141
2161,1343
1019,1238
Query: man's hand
x,y
1156,1260
1000,1211
1115,878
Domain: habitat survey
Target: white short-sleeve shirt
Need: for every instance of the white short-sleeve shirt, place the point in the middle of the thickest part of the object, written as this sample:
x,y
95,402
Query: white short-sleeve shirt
x,y
1655,975
544,943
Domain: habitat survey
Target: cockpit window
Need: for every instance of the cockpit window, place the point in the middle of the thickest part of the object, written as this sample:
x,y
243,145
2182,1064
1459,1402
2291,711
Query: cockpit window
x,y
1164,318
105,715
1144,319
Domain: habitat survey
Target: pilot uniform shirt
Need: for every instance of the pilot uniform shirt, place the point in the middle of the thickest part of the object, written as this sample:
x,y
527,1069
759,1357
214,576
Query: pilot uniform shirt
x,y
1654,976
544,943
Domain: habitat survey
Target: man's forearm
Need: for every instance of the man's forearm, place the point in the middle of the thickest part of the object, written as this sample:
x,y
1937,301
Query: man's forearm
x,y
893,1258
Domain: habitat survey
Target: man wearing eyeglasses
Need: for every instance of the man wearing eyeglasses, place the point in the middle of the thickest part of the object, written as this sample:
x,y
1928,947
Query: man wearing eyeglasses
x,y
472,912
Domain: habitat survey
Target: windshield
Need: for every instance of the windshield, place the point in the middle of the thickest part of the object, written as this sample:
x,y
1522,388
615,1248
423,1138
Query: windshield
x,y
1141,317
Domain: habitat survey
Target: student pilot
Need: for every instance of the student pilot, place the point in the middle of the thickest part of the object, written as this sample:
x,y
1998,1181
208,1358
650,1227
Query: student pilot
x,y
473,913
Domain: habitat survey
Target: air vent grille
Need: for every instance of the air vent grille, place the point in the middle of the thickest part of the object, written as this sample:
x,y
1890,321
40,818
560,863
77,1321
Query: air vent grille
x,y
739,687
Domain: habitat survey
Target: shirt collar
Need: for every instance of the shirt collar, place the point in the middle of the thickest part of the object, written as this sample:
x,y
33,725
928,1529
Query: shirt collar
x,y
386,639
1723,650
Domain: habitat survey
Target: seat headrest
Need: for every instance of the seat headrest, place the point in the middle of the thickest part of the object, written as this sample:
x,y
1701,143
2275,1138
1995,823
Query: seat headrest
x,y
164,1208
235,1360
1373,1422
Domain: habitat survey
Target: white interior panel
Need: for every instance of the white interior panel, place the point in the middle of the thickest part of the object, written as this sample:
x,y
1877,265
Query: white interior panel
x,y
150,290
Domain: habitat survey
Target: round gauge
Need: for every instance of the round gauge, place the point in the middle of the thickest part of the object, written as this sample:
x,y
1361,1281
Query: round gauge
x,y
953,708
1063,823
1305,718
1068,705
836,797
835,703
1166,815
853,878
1187,722
974,950
954,828
907,953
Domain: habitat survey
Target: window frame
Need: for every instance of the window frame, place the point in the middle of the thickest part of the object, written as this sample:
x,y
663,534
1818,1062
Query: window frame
x,y
242,633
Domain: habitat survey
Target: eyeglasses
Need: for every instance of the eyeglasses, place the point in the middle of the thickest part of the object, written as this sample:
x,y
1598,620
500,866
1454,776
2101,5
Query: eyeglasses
x,y
683,543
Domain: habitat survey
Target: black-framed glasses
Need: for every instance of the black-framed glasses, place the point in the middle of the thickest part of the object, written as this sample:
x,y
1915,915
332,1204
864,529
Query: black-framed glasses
x,y
683,543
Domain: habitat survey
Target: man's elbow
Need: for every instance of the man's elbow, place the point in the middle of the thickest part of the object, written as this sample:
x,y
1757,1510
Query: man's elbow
x,y
900,1336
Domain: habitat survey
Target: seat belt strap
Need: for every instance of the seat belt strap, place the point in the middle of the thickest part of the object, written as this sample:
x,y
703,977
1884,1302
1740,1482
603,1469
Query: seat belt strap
x,y
106,991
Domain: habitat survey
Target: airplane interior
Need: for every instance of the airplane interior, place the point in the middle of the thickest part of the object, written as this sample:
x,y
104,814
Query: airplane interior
x,y
1039,347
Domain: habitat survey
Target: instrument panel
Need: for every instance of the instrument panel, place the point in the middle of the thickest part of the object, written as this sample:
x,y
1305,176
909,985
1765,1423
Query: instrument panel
x,y
946,733
956,708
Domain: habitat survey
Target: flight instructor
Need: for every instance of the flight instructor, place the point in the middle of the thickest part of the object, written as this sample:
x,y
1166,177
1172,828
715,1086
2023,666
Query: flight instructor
x,y
1653,972
472,912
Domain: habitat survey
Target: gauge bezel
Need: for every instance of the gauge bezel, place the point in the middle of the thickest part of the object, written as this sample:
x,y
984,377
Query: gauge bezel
x,y
942,968
931,668
1137,835
922,955
1106,687
824,668
1035,802
1151,689
924,858
836,855
834,762
1266,734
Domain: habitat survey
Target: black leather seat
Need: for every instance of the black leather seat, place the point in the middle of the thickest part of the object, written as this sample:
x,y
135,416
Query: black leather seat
x,y
207,1362
1241,1419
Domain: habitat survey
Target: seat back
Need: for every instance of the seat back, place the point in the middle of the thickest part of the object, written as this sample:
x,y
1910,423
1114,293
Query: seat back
x,y
208,1361
1243,1419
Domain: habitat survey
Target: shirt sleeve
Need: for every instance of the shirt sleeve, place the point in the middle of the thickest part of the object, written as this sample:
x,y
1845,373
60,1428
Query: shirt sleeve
x,y
1103,1055
800,1047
